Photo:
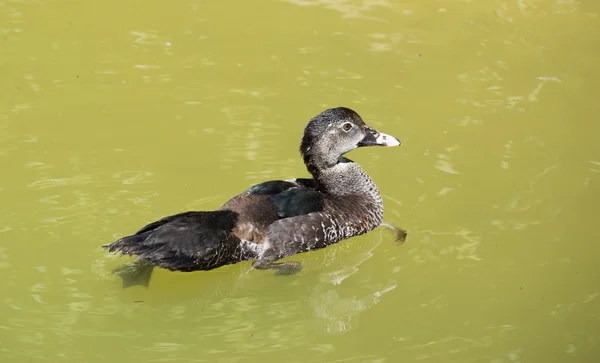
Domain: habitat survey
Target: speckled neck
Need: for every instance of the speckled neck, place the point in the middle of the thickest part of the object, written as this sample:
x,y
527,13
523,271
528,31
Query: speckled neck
x,y
347,178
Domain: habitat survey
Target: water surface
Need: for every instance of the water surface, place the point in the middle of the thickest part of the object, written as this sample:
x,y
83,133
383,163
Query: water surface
x,y
114,114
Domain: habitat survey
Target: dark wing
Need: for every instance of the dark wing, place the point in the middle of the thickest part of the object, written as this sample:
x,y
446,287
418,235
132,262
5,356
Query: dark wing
x,y
291,198
297,201
270,188
268,202
186,241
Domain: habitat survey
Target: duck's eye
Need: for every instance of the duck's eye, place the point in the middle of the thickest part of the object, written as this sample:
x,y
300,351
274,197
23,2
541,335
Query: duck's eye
x,y
347,126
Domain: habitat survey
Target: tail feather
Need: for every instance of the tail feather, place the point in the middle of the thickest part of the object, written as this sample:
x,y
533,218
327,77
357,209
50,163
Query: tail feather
x,y
184,242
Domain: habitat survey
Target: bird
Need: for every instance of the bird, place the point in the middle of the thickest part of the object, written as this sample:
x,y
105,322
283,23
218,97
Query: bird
x,y
274,219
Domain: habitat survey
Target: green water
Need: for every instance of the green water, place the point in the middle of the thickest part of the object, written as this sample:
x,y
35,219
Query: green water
x,y
114,114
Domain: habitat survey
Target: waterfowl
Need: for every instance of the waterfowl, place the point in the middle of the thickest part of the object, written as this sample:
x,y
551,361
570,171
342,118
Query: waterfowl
x,y
278,218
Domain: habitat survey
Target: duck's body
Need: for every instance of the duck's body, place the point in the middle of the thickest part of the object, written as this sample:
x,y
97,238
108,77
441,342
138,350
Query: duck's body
x,y
278,218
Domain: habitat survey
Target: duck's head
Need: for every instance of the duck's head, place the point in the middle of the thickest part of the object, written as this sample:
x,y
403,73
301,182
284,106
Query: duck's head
x,y
336,131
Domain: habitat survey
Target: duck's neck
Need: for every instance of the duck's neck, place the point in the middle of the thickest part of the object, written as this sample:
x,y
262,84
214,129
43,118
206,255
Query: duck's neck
x,y
355,205
354,196
345,178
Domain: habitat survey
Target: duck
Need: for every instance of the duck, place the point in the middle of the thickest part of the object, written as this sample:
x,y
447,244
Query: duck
x,y
274,219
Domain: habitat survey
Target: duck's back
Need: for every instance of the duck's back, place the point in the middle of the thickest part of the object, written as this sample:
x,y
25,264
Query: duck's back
x,y
264,204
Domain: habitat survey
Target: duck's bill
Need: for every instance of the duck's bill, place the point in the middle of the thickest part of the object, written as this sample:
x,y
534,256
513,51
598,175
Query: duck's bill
x,y
376,138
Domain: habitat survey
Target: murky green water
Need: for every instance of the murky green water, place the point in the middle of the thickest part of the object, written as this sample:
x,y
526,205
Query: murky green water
x,y
113,114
